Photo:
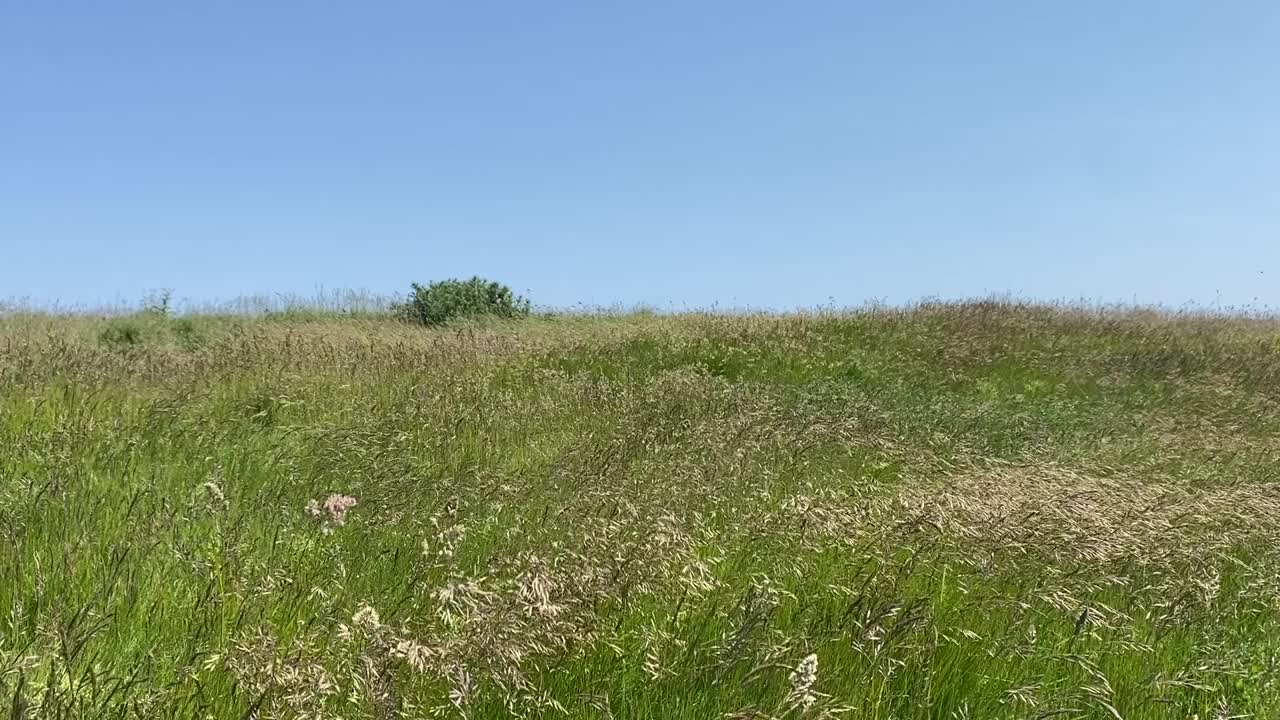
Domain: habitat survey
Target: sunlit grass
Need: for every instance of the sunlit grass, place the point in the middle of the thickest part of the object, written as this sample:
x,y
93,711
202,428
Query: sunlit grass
x,y
955,511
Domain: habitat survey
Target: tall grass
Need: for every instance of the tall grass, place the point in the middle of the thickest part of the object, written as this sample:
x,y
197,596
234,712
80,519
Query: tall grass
x,y
952,511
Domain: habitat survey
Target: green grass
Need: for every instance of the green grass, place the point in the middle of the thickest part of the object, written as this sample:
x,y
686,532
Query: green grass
x,y
980,510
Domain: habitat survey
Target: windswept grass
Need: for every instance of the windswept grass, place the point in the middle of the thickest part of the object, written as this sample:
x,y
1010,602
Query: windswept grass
x,y
980,510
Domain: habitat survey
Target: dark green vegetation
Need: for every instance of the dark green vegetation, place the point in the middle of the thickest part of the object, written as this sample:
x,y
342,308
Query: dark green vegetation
x,y
447,301
957,511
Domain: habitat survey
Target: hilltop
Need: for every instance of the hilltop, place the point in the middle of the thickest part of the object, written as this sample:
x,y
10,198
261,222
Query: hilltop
x,y
962,510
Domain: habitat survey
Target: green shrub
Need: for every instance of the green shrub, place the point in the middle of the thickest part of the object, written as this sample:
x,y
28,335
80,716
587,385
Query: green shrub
x,y
187,333
158,302
121,333
447,300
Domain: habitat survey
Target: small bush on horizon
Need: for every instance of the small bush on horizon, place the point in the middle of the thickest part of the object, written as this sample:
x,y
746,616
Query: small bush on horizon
x,y
121,333
158,302
444,301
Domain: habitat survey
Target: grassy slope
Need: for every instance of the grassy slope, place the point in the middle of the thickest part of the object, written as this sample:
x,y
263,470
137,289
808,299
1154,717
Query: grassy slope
x,y
962,511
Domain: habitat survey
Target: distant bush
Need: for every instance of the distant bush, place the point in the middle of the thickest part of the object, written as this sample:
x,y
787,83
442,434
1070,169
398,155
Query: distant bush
x,y
187,333
158,302
121,333
447,300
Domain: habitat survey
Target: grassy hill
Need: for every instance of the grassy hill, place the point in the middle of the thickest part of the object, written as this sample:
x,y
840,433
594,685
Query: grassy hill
x,y
978,510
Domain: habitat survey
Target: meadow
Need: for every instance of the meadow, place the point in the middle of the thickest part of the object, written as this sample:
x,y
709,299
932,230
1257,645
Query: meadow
x,y
954,510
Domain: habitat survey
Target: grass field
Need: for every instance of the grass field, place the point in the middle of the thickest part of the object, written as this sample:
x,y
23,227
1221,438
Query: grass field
x,y
979,510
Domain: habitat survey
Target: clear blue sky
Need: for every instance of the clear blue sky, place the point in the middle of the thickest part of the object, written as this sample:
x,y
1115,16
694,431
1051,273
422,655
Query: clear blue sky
x,y
672,152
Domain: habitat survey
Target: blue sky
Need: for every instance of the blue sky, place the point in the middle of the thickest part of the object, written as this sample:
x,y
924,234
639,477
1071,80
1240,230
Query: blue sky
x,y
676,153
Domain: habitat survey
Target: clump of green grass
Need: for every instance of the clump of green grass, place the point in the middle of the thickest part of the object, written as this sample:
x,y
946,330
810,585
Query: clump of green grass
x,y
961,511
